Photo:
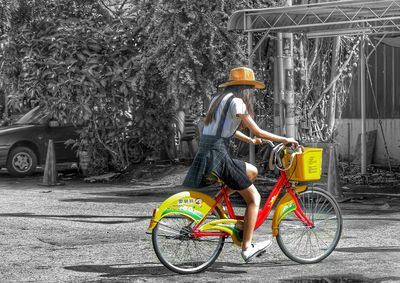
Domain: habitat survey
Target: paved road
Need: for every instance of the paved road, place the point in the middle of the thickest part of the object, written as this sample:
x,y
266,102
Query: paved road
x,y
96,233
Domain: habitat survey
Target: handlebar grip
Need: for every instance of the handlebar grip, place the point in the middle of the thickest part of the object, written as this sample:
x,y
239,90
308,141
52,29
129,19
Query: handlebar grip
x,y
280,153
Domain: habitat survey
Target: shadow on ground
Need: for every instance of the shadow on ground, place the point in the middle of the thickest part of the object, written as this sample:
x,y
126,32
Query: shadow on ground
x,y
98,219
122,270
158,270
385,249
338,278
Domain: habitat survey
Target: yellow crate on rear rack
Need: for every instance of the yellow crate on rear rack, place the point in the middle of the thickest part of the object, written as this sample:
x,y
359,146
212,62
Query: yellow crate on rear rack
x,y
306,166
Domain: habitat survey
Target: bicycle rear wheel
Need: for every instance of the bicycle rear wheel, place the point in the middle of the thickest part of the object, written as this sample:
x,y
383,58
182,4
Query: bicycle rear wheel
x,y
179,251
310,245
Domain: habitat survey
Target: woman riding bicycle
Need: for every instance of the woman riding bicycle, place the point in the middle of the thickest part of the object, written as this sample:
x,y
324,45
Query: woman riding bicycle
x,y
229,111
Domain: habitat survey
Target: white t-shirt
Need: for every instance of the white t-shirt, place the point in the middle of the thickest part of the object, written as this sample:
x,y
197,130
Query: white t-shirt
x,y
232,122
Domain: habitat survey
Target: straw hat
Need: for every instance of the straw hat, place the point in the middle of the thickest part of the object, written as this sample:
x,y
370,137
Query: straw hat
x,y
243,76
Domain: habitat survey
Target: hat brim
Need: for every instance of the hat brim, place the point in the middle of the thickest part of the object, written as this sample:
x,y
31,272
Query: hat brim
x,y
256,84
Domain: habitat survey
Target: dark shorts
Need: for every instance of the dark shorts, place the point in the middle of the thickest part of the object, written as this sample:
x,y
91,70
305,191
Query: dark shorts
x,y
233,173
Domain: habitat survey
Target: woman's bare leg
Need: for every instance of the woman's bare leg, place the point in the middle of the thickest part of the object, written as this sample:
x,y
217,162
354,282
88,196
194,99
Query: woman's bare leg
x,y
252,198
251,171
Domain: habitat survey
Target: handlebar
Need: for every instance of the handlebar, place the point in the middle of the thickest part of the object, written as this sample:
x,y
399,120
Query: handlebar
x,y
278,153
288,145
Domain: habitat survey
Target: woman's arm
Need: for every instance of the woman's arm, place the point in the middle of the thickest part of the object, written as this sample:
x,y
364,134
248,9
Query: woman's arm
x,y
257,131
244,138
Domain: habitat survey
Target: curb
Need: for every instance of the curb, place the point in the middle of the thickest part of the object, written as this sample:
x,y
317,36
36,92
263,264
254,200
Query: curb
x,y
373,194
363,206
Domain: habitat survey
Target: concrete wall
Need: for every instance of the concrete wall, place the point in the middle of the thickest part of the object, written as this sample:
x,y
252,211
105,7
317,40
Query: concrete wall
x,y
391,129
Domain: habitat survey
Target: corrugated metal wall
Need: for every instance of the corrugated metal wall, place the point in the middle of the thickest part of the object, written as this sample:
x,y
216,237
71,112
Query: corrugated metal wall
x,y
384,67
349,130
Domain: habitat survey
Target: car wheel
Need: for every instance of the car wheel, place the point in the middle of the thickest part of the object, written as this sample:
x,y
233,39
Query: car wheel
x,y
135,152
21,162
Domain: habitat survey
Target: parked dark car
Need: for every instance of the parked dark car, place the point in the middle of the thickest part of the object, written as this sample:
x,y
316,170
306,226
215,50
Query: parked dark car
x,y
23,145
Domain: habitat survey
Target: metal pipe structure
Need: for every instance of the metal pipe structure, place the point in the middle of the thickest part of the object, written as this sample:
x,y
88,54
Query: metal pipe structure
x,y
286,81
363,107
281,82
252,148
333,18
277,104
289,84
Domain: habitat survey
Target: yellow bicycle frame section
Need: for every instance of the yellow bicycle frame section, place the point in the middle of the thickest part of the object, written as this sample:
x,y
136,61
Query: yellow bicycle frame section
x,y
233,227
194,205
285,206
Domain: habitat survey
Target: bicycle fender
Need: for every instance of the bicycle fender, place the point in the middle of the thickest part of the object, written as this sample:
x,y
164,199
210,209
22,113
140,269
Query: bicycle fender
x,y
194,205
285,206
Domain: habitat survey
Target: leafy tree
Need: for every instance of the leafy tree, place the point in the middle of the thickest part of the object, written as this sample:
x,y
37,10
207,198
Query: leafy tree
x,y
76,62
118,68
188,44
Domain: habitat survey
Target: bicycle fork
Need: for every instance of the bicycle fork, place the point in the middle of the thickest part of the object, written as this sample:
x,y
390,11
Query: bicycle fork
x,y
287,204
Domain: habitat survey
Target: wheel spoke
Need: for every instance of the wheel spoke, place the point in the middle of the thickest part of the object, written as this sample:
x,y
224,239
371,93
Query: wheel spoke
x,y
325,220
179,250
311,244
318,238
323,206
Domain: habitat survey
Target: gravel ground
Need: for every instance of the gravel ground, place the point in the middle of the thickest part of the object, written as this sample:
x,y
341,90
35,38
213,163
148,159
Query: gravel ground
x,y
83,232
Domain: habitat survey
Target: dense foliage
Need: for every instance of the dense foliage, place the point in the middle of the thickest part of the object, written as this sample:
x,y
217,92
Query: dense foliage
x,y
77,63
120,69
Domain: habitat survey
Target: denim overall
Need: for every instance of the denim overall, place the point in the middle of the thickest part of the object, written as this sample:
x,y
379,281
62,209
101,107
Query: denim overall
x,y
213,156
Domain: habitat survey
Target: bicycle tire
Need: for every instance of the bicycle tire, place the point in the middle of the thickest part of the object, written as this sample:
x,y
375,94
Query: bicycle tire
x,y
311,245
181,253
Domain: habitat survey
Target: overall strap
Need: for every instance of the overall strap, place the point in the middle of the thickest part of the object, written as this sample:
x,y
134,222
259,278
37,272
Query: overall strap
x,y
223,116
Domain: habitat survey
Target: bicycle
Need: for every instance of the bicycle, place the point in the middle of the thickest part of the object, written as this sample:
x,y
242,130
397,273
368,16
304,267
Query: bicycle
x,y
189,228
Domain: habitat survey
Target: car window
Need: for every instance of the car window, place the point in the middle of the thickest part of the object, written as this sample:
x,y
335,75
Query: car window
x,y
35,116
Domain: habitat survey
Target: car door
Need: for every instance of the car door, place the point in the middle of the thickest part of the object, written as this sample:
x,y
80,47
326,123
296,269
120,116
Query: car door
x,y
60,134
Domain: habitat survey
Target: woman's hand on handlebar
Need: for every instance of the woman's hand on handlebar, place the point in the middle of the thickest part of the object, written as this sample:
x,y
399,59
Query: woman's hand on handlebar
x,y
287,142
290,142
255,140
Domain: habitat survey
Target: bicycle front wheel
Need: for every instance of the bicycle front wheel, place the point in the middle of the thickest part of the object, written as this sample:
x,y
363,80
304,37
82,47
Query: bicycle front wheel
x,y
304,244
179,251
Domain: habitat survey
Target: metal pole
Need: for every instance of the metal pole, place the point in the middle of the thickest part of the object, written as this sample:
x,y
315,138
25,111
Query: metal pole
x,y
277,110
332,92
289,81
281,81
286,82
363,107
289,84
252,148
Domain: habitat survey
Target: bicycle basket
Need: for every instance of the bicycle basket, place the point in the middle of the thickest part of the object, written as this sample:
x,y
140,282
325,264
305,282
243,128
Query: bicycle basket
x,y
306,166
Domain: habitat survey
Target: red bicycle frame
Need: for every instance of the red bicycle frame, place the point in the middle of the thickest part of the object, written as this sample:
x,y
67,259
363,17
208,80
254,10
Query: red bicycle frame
x,y
263,213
